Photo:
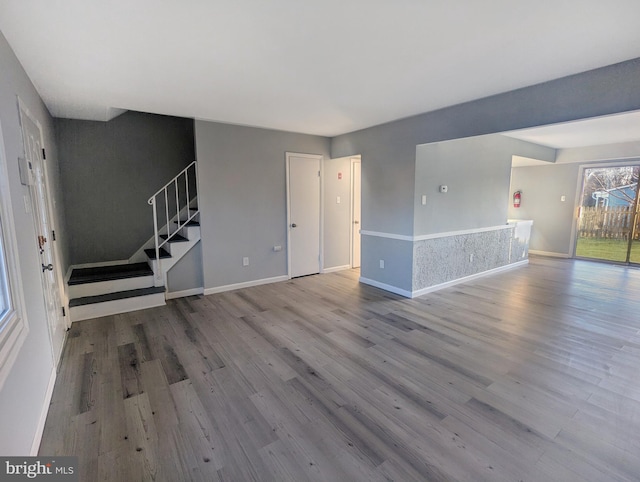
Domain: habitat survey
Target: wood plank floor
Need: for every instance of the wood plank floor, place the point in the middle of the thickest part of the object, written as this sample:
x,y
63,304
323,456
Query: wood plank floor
x,y
528,375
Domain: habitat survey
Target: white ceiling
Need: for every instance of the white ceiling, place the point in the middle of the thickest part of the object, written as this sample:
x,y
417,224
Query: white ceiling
x,y
597,131
323,67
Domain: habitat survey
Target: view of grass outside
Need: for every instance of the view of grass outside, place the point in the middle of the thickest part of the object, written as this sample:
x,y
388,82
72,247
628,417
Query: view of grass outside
x,y
607,249
608,214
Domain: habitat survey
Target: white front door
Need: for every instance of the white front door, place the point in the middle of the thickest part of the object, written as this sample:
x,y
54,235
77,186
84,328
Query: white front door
x,y
303,201
355,213
32,137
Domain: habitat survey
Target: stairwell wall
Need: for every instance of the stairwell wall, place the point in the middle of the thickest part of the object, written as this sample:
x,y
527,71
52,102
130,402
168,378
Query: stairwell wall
x,y
109,170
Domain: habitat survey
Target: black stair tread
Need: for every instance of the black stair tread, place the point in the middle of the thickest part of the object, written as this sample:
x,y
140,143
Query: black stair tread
x,y
193,208
176,238
109,273
120,295
190,223
151,253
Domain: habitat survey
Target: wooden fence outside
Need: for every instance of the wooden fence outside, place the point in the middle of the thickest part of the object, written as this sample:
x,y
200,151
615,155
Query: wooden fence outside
x,y
610,223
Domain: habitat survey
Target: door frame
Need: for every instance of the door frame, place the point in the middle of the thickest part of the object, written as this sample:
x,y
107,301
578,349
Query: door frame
x,y
55,255
355,160
601,164
320,159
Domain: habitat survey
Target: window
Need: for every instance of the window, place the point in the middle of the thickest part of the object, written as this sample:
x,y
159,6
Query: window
x,y
13,325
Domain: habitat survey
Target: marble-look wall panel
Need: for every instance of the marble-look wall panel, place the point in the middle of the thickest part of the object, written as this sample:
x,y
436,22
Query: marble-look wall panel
x,y
444,259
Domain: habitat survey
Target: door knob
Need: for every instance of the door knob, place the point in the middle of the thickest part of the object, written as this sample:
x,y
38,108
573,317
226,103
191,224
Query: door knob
x,y
294,225
47,267
356,222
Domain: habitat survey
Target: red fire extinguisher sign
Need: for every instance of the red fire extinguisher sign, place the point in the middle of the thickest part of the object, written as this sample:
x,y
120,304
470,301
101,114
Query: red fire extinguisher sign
x,y
517,198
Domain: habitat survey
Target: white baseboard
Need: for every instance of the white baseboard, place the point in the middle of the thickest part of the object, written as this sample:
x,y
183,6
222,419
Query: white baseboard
x,y
182,294
431,289
35,446
386,287
335,268
549,253
246,284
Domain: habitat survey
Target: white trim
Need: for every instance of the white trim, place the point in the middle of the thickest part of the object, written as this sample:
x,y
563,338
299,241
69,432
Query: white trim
x,y
423,237
246,284
35,446
377,234
549,253
440,286
184,293
386,287
16,330
335,268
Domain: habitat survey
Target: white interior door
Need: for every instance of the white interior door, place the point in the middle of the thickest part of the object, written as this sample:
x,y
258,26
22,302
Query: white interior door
x,y
303,193
32,137
355,213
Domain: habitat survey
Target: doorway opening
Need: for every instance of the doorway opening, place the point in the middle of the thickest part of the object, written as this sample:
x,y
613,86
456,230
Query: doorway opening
x,y
608,222
356,197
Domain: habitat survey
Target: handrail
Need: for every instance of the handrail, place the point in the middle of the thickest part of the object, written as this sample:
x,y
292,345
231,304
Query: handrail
x,y
150,201
179,215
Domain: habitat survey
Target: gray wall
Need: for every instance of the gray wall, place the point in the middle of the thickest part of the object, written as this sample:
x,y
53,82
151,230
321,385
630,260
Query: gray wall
x,y
476,171
389,151
109,170
542,187
243,199
186,274
22,397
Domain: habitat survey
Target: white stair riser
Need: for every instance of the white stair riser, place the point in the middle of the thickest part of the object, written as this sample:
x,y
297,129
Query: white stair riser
x,y
106,287
107,308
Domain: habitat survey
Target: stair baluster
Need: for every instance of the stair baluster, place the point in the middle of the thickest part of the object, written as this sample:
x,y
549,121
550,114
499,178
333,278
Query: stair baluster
x,y
181,220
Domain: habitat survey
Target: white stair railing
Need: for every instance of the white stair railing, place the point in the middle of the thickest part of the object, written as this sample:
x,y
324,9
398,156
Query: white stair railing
x,y
181,190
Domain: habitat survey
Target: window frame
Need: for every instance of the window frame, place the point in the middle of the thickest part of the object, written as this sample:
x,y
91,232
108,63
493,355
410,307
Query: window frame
x,y
13,322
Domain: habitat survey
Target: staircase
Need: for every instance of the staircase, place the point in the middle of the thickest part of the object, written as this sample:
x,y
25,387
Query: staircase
x,y
141,283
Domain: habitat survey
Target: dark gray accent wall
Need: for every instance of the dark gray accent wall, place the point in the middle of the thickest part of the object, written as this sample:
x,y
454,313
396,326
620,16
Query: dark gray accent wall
x,y
23,394
109,170
243,199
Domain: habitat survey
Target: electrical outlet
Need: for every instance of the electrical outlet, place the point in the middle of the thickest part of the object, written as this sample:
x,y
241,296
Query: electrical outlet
x,y
245,261
382,264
